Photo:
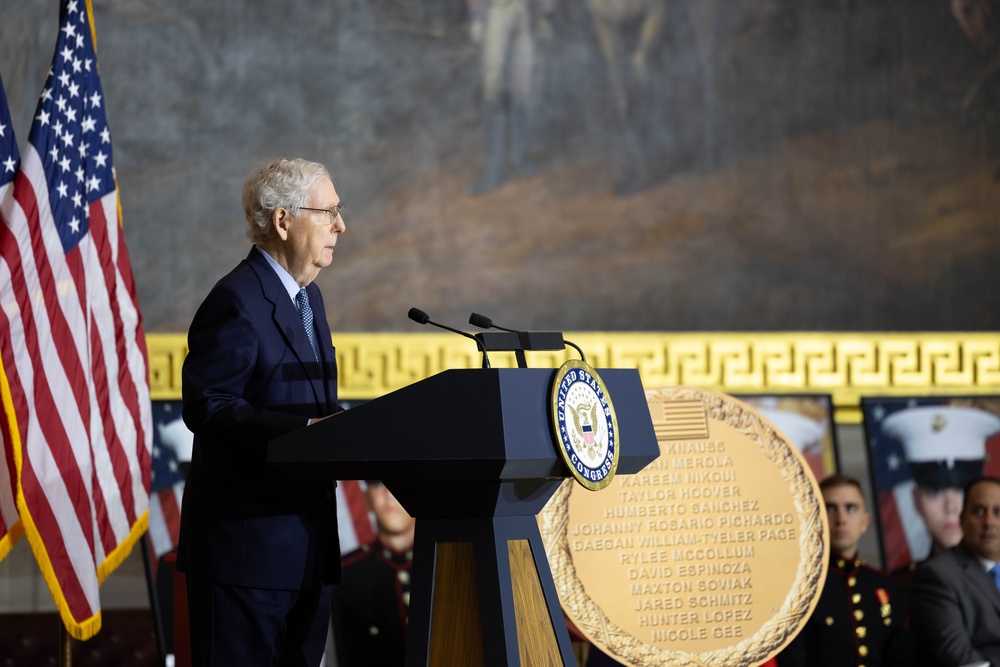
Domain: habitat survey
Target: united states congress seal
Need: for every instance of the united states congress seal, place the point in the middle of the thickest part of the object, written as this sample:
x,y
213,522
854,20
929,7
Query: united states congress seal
x,y
585,425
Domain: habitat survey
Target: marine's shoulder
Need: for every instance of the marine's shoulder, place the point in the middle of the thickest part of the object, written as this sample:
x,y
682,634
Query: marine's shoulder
x,y
354,557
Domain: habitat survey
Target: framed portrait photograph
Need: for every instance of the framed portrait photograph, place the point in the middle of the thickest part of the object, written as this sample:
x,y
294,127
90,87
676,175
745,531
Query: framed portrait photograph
x,y
807,421
922,451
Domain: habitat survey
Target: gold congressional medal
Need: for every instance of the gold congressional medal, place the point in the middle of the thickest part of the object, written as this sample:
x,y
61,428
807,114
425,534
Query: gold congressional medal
x,y
585,424
714,554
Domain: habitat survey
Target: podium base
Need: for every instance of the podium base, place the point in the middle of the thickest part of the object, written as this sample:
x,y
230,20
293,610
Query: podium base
x,y
484,588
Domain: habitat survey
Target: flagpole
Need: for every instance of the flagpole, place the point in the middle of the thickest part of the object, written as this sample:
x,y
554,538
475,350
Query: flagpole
x,y
154,600
65,645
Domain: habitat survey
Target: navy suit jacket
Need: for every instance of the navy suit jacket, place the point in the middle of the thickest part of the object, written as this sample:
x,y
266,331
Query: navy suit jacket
x,y
250,375
955,609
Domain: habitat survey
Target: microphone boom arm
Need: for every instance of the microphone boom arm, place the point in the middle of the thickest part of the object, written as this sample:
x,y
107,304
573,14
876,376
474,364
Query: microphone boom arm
x,y
420,317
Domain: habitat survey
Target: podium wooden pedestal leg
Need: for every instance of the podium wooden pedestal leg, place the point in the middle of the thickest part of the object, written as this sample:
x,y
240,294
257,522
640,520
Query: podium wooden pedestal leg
x,y
483,595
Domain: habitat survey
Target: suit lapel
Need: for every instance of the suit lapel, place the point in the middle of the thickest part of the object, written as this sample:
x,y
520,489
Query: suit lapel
x,y
286,318
983,581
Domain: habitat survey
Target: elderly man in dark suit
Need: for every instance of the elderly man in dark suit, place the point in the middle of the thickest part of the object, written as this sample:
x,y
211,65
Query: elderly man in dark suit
x,y
260,550
955,597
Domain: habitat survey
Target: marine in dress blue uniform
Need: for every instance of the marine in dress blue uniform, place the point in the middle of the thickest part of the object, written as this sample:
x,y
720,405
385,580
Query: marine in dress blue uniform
x,y
372,601
374,597
860,619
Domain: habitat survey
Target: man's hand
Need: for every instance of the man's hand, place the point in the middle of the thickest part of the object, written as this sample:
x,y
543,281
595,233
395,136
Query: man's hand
x,y
317,419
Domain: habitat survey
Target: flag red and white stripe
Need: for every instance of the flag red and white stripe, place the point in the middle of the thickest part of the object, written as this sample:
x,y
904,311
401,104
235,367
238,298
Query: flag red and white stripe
x,y
165,518
355,523
11,528
77,398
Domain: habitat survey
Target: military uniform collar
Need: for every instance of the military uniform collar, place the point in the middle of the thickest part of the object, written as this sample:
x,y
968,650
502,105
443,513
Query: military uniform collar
x,y
846,564
399,558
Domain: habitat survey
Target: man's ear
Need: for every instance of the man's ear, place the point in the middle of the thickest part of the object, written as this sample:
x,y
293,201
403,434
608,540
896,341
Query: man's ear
x,y
281,219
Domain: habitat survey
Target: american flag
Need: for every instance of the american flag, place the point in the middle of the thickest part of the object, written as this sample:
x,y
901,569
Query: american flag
x,y
168,479
904,537
74,371
10,527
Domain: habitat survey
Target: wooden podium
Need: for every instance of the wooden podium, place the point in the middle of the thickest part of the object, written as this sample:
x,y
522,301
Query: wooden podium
x,y
471,455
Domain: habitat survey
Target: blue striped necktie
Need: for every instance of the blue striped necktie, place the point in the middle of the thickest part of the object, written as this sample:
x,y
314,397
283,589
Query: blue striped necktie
x,y
995,571
306,313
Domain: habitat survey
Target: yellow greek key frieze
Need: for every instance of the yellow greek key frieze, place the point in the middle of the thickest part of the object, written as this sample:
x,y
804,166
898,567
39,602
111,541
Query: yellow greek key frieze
x,y
166,357
846,365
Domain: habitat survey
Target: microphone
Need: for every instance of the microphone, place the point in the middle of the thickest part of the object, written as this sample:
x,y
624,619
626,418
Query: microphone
x,y
420,317
483,322
529,340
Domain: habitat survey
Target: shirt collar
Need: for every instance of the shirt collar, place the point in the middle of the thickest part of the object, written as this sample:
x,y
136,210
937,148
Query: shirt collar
x,y
287,281
987,564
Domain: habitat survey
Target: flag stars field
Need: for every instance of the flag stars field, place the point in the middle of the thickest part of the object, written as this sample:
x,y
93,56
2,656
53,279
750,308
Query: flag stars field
x,y
70,107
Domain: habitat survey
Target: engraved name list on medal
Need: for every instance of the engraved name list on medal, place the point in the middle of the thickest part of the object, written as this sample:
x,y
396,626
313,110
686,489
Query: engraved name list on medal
x,y
712,553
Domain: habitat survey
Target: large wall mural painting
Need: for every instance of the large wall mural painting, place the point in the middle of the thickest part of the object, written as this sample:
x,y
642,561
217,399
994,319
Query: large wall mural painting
x,y
645,165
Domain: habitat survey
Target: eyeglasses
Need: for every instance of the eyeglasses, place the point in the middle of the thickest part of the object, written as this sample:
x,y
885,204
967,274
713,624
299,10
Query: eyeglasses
x,y
333,212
